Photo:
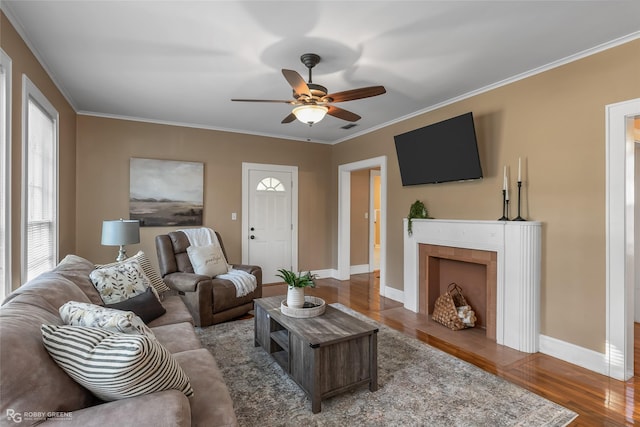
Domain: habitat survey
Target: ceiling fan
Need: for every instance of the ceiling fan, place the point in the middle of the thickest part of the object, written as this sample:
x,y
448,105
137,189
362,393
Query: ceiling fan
x,y
312,101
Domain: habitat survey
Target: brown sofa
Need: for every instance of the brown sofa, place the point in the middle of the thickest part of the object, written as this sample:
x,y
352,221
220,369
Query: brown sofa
x,y
209,300
35,390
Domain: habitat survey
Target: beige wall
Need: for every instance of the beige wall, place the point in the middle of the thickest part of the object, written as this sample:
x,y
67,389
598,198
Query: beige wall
x,y
555,121
104,147
23,62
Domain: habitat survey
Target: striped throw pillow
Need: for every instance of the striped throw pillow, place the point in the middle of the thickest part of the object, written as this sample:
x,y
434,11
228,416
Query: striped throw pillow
x,y
149,271
114,366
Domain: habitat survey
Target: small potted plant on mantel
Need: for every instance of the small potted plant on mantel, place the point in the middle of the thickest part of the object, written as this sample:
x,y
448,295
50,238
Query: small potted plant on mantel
x,y
296,284
417,210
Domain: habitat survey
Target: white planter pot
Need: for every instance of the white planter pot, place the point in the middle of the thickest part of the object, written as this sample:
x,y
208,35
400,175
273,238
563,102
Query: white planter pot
x,y
295,297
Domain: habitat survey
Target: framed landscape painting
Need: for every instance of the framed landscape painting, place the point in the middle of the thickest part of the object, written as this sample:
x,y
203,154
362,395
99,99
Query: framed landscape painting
x,y
166,192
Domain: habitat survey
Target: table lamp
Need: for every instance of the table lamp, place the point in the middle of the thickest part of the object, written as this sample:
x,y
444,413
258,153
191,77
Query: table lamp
x,y
120,233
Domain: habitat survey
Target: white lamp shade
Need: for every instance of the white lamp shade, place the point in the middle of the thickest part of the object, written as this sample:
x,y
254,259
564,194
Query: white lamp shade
x,y
310,114
120,232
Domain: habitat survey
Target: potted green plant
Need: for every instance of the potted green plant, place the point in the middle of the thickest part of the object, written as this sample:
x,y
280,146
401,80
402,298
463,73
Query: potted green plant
x,y
296,284
417,210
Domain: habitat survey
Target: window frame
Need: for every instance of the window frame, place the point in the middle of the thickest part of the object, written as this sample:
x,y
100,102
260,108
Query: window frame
x,y
5,174
31,92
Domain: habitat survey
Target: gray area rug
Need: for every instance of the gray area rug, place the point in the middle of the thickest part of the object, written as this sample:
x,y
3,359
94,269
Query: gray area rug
x,y
418,386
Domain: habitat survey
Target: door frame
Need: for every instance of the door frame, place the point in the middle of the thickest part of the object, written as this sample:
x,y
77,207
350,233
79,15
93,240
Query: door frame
x,y
344,216
372,216
620,257
246,167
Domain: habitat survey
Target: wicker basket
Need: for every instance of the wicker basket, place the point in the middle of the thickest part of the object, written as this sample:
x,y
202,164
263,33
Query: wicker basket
x,y
304,312
445,310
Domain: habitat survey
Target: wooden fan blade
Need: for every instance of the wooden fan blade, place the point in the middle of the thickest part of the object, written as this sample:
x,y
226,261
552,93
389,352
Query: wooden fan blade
x,y
350,95
297,82
343,114
291,117
264,100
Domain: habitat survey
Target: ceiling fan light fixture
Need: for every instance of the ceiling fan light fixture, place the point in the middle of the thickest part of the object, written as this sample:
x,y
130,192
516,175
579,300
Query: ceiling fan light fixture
x,y
310,114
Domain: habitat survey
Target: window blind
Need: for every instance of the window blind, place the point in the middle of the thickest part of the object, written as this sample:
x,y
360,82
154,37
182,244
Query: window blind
x,y
40,222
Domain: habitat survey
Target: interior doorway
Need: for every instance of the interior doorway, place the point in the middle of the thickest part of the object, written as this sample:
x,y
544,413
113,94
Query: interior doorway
x,y
344,215
622,256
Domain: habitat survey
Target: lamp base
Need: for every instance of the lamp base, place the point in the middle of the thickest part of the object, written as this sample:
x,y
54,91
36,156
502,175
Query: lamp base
x,y
122,254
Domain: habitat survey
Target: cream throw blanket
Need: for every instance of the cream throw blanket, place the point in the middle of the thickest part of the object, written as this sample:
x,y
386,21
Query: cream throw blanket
x,y
244,282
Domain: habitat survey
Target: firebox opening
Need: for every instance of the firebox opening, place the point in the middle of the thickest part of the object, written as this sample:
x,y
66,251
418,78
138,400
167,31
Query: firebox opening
x,y
470,277
475,271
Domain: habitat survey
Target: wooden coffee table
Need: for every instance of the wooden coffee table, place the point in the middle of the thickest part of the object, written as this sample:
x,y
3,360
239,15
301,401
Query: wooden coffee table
x,y
324,355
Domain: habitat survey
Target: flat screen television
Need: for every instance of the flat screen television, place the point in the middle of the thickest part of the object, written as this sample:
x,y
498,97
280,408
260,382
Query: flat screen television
x,y
442,152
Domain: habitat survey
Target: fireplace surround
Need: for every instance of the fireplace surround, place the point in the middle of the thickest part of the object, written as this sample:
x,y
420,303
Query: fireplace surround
x,y
516,246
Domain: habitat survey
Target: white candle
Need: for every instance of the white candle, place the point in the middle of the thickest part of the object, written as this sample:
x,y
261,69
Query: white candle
x,y
506,183
504,180
519,169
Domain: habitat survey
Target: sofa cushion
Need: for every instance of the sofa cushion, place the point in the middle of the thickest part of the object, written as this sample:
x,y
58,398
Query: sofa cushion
x,y
151,273
114,366
177,312
94,316
177,337
145,305
211,403
169,408
207,260
48,291
30,381
77,270
120,281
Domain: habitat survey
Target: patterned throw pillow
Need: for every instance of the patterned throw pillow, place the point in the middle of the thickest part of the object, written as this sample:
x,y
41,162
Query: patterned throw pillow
x,y
114,366
208,260
94,316
120,281
149,271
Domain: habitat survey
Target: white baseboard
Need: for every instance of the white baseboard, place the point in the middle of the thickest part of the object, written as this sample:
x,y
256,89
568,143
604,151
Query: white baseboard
x,y
392,293
359,269
574,354
333,273
326,273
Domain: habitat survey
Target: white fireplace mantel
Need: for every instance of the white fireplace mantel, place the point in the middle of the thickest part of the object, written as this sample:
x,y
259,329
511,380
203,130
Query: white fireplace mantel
x,y
518,248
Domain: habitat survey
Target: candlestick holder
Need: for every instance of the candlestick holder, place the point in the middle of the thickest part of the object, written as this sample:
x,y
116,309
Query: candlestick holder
x,y
519,218
505,207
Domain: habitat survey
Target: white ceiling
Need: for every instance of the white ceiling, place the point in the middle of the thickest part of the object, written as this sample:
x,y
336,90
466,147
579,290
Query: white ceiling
x,y
182,61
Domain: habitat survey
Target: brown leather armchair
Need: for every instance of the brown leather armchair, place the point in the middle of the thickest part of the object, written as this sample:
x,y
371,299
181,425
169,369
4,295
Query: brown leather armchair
x,y
209,300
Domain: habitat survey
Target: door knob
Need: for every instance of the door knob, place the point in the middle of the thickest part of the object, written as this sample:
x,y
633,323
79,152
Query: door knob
x,y
253,237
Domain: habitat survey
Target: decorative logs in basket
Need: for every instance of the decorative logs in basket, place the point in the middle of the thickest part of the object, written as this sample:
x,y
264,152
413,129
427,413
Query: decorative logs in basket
x,y
452,310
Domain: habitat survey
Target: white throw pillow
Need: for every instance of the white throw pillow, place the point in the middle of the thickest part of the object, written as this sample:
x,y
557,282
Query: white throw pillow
x,y
120,281
94,316
114,366
208,260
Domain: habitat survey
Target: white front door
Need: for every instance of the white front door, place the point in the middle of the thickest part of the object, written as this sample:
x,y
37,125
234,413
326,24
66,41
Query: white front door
x,y
268,235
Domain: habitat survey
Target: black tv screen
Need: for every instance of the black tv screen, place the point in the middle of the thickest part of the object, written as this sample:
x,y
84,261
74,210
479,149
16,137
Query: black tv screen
x,y
441,152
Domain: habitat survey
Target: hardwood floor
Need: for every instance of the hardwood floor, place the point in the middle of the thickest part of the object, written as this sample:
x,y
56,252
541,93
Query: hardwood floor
x,y
598,400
